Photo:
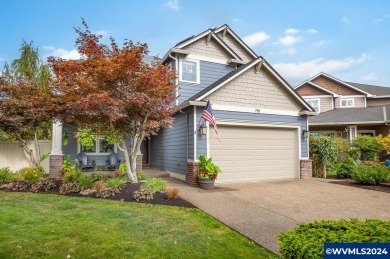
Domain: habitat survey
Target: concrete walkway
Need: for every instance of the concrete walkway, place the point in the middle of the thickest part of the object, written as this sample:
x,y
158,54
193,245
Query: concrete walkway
x,y
264,209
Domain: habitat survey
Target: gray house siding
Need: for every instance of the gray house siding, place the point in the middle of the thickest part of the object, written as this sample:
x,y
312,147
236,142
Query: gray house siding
x,y
209,73
266,118
71,150
168,149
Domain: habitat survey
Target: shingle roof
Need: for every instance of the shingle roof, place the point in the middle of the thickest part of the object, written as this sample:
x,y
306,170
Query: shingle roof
x,y
372,89
221,80
191,37
350,115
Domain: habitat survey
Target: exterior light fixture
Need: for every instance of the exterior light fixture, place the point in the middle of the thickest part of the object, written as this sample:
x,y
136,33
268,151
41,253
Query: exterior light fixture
x,y
305,133
202,129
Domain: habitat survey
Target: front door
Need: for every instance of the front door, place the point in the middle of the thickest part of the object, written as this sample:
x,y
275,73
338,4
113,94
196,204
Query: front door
x,y
145,151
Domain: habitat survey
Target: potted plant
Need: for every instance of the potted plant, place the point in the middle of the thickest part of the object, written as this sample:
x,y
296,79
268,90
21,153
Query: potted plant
x,y
207,172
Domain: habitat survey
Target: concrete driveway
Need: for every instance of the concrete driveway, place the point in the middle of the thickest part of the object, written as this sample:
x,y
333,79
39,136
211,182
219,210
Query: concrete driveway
x,y
262,210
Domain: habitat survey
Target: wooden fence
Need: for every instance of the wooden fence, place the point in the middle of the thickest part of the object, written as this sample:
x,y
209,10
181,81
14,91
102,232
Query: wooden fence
x,y
13,156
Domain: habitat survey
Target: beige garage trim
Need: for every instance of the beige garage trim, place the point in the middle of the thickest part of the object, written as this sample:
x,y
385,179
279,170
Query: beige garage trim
x,y
255,153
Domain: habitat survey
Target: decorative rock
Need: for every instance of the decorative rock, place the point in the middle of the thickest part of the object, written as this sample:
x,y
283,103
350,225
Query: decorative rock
x,y
88,192
5,186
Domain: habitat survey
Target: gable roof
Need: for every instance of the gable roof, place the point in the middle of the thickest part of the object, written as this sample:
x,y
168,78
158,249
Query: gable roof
x,y
235,73
340,82
213,33
378,91
317,86
240,41
347,116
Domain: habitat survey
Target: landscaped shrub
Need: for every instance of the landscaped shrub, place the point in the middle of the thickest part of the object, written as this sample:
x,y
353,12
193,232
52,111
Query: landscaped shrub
x,y
172,192
365,174
115,183
368,147
72,176
142,194
43,185
5,175
123,168
107,192
115,174
142,176
97,176
346,167
67,166
154,185
98,185
18,185
85,182
324,153
307,240
31,174
69,187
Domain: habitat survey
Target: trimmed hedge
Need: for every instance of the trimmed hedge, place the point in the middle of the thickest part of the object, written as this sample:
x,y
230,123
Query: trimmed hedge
x,y
374,175
307,240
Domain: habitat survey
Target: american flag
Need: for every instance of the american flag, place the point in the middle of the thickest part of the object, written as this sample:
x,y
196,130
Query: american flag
x,y
208,116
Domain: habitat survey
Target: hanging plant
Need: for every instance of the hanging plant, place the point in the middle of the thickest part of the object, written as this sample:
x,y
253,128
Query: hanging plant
x,y
85,137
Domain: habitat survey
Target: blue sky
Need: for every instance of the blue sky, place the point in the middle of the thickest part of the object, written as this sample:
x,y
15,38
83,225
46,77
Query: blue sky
x,y
346,39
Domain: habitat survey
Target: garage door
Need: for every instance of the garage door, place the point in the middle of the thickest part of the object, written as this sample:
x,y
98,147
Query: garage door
x,y
255,153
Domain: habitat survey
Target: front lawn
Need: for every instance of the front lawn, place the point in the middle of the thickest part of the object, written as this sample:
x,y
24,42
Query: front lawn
x,y
51,226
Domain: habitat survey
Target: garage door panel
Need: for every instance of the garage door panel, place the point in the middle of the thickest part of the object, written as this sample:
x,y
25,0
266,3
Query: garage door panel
x,y
255,153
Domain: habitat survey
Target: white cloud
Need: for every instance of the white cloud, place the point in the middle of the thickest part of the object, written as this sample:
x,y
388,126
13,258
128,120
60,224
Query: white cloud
x,y
297,72
345,19
382,19
312,31
103,33
62,53
256,38
289,40
2,59
291,31
320,43
237,20
173,4
289,51
370,77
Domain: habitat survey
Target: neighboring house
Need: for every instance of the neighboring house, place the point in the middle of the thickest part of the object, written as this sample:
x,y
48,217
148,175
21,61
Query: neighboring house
x,y
346,109
261,119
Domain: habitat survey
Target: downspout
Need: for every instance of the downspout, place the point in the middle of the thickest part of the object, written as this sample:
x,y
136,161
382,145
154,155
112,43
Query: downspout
x,y
177,77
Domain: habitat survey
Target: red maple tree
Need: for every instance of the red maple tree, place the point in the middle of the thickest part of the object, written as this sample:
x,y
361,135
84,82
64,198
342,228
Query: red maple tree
x,y
113,91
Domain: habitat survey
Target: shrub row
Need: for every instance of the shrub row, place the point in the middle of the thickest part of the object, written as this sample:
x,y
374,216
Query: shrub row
x,y
307,240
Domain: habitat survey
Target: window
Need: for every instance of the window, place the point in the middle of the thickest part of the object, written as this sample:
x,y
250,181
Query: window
x,y
101,146
370,133
189,71
315,103
347,103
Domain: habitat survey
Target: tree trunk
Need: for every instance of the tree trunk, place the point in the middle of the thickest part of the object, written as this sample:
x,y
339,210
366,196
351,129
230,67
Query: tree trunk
x,y
130,171
37,149
136,141
28,152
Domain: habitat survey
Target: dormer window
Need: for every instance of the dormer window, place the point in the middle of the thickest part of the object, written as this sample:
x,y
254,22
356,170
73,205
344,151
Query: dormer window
x,y
347,103
189,71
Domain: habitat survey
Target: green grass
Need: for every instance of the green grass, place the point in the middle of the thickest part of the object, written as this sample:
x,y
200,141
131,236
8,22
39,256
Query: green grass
x,y
51,226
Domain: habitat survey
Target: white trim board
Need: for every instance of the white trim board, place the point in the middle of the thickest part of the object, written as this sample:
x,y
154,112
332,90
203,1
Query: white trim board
x,y
220,107
207,59
195,140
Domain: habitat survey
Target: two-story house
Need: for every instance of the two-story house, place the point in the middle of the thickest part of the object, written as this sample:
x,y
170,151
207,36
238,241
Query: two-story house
x,y
261,119
346,109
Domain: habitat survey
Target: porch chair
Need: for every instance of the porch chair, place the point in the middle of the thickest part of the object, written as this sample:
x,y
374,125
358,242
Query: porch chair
x,y
113,161
82,157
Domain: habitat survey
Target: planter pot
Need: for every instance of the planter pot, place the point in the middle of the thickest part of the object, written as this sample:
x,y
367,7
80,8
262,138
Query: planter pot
x,y
206,183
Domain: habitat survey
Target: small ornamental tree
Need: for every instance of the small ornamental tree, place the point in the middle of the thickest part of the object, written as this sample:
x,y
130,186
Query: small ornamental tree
x,y
324,151
367,146
26,103
384,141
112,91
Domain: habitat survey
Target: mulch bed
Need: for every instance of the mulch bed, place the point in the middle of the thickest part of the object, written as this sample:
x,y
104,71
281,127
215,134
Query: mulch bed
x,y
126,195
383,187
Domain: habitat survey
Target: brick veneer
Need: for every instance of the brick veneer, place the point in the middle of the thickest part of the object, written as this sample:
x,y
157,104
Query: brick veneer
x,y
55,166
306,169
191,178
138,165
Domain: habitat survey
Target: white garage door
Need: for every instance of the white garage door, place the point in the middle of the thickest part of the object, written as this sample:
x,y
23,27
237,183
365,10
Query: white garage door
x,y
255,153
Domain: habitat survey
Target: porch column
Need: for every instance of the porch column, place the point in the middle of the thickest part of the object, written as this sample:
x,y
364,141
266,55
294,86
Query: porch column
x,y
56,155
138,165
